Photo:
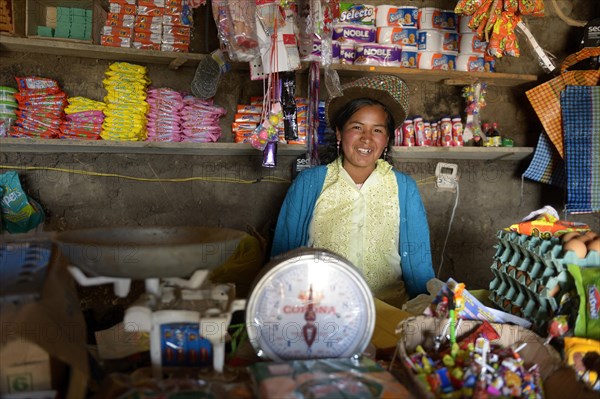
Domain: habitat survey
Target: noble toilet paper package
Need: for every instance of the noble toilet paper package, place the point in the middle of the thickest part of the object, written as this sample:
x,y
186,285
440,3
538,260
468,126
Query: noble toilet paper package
x,y
377,54
404,36
390,15
347,53
354,33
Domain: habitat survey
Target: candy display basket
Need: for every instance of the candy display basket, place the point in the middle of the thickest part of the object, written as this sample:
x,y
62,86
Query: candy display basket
x,y
421,330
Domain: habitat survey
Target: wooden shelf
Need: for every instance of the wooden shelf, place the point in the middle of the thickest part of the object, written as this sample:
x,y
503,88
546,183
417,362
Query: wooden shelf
x,y
175,60
75,49
455,78
465,153
24,145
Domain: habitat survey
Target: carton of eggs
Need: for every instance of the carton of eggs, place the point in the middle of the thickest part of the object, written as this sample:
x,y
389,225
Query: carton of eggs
x,y
581,243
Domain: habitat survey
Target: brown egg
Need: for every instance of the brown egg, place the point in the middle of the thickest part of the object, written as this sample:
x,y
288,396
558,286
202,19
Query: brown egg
x,y
594,245
583,238
592,234
568,236
576,246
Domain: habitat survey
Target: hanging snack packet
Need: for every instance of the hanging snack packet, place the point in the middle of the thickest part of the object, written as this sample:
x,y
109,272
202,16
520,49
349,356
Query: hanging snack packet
x,y
20,214
587,282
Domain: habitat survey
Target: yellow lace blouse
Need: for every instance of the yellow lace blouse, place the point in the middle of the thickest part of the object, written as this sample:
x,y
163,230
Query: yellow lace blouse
x,y
361,224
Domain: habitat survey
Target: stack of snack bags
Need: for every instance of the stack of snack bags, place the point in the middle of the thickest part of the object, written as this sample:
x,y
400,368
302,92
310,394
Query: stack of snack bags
x,y
126,105
164,117
84,118
200,120
41,104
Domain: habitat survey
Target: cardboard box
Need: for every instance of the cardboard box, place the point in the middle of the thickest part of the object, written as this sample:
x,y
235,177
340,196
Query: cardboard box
x,y
24,367
7,12
60,14
558,381
52,323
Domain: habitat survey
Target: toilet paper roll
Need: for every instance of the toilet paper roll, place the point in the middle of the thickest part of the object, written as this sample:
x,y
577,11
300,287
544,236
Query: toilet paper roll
x,y
470,44
445,61
387,15
377,54
347,53
431,40
430,18
464,24
469,63
404,36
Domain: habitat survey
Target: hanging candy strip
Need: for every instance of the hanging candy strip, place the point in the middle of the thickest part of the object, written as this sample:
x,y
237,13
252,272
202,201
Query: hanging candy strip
x,y
313,114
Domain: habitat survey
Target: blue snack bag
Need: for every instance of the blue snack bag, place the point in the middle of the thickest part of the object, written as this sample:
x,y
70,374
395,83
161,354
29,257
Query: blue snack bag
x,y
19,213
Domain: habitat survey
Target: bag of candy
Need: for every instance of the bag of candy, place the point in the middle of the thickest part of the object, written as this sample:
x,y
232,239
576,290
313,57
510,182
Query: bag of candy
x,y
20,213
587,282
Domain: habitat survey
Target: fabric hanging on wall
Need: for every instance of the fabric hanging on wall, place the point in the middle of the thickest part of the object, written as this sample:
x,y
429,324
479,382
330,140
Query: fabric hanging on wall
x,y
581,125
546,166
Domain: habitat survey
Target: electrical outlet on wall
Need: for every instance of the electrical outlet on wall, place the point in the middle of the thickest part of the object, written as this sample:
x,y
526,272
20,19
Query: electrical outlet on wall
x,y
446,176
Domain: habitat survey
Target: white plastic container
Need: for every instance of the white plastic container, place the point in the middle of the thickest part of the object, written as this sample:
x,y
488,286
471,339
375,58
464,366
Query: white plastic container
x,y
463,25
471,44
430,18
431,40
470,63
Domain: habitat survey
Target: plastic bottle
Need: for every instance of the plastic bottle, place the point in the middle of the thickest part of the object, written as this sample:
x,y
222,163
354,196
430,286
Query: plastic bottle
x,y
446,132
495,135
427,133
408,133
435,134
419,131
485,130
457,131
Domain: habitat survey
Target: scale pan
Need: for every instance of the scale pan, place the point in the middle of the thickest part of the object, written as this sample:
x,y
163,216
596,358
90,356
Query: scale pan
x,y
148,252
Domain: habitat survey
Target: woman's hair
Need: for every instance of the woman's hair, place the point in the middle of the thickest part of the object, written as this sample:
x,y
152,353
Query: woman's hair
x,y
339,120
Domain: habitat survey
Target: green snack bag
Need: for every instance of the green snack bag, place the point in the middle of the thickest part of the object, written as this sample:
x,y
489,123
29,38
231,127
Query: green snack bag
x,y
587,281
20,213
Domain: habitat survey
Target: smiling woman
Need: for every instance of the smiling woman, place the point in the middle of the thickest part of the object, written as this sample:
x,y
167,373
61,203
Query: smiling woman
x,y
358,206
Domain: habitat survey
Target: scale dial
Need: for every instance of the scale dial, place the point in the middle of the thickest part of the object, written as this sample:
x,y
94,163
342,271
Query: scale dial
x,y
310,304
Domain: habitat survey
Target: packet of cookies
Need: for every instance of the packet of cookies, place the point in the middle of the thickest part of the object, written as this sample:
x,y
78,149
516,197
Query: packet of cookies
x,y
545,223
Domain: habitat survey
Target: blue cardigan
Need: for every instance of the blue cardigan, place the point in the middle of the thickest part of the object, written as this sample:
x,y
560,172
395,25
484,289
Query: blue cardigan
x,y
414,248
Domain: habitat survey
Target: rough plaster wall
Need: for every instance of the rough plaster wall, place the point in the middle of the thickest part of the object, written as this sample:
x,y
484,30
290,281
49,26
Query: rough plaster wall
x,y
491,194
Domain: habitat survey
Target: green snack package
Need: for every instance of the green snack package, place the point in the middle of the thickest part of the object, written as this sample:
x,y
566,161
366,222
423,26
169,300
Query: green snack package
x,y
587,282
20,213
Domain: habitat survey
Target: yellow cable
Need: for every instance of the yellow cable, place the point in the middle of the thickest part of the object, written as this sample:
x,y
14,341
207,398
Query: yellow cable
x,y
269,179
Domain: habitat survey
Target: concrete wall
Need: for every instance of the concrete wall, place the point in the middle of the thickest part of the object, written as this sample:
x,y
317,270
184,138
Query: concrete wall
x,y
492,195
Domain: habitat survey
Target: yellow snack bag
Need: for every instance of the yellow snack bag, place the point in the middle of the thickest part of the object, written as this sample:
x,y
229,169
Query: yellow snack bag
x,y
583,355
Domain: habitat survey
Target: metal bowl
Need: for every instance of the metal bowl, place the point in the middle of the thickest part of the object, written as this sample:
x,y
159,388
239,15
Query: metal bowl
x,y
148,252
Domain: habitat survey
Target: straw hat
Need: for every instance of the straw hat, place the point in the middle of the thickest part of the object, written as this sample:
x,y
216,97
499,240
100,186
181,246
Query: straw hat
x,y
389,90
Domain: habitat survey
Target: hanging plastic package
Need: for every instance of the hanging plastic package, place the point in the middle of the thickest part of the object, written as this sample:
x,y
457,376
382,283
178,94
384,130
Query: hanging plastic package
x,y
20,214
236,28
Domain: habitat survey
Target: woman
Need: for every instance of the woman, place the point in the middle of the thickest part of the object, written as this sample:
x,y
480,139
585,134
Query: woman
x,y
358,206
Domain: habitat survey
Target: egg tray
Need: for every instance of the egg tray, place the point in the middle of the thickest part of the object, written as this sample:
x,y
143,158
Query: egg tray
x,y
530,276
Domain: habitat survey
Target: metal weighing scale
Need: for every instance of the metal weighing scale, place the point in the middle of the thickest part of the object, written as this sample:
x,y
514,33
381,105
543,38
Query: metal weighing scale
x,y
186,317
310,304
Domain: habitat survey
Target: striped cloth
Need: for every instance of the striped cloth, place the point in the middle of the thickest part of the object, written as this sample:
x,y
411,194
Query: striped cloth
x,y
546,166
581,125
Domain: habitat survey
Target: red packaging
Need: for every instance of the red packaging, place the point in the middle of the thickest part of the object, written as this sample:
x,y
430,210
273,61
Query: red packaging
x,y
150,11
446,132
150,3
143,37
457,132
121,20
408,133
173,20
175,47
118,31
115,41
184,31
123,9
146,46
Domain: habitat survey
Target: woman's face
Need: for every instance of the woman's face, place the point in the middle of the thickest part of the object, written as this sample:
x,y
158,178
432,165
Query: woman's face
x,y
363,138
